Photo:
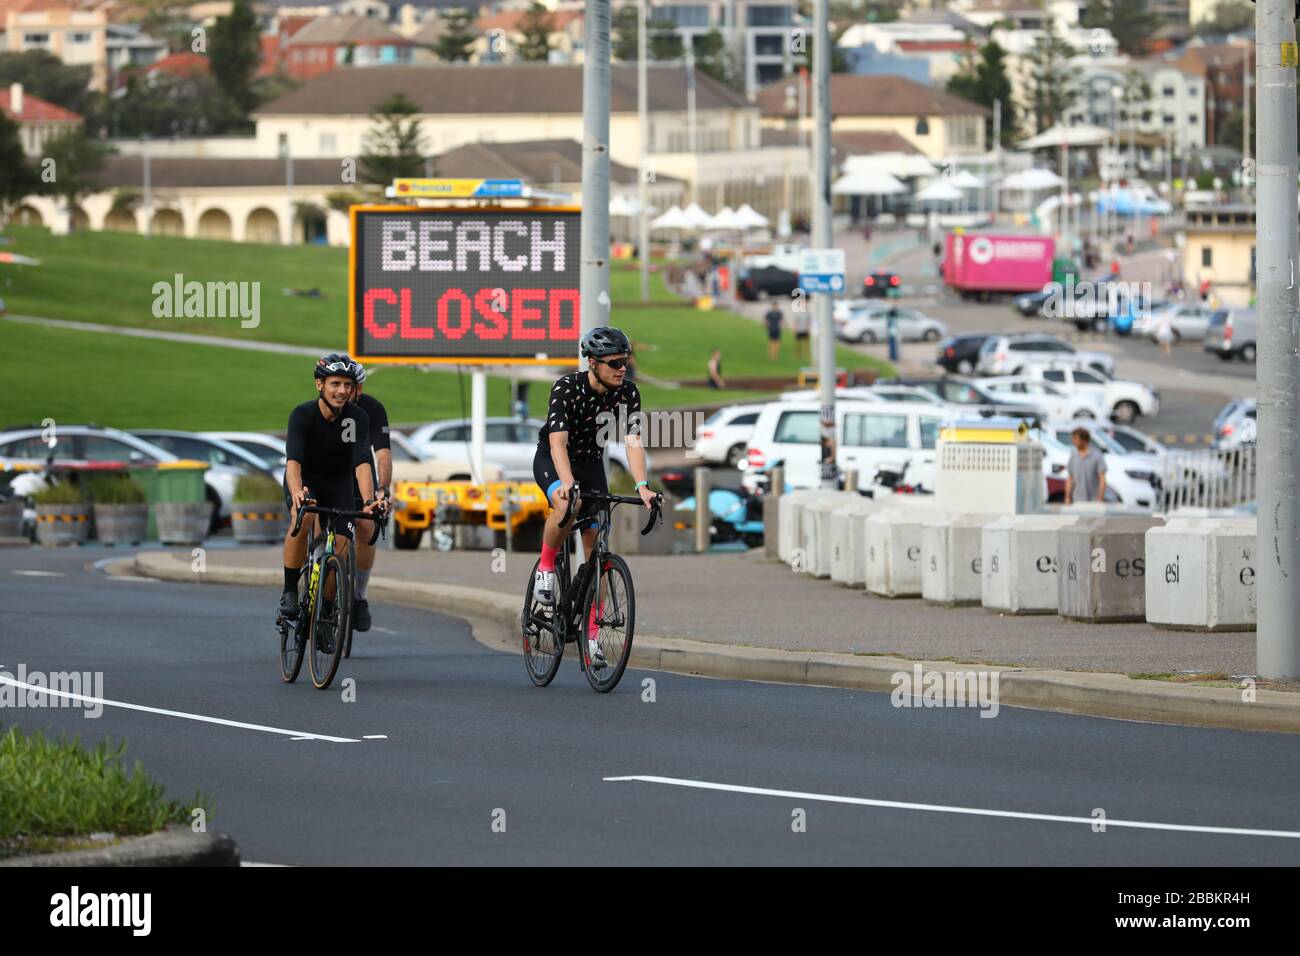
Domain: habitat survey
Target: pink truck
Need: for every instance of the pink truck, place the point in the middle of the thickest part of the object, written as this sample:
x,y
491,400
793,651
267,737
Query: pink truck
x,y
980,264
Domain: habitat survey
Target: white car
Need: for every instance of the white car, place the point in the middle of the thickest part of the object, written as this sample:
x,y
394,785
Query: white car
x,y
1049,397
511,443
872,325
1131,479
1123,401
724,435
1009,354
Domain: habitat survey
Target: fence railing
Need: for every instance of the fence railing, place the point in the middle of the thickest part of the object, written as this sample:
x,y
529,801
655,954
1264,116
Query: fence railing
x,y
1207,478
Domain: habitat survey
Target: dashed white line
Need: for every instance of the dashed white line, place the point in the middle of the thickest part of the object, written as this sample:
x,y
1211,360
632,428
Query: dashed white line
x,y
41,574
222,721
940,808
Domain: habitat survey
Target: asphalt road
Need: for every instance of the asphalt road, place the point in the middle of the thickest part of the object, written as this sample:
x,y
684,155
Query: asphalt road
x,y
464,739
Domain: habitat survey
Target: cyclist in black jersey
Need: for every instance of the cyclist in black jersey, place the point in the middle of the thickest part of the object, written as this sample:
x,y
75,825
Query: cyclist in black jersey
x,y
383,470
328,448
586,408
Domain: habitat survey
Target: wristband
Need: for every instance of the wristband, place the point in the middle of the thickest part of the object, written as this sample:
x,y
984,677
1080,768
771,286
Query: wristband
x,y
637,486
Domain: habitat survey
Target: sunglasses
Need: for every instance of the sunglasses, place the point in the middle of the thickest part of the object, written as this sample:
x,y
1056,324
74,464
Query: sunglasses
x,y
614,363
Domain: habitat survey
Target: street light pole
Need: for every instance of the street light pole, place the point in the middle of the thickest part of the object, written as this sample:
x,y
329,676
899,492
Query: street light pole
x,y
594,279
1277,640
823,234
643,188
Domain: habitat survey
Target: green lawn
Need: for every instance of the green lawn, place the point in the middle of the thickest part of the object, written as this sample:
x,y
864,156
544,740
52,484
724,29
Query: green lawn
x,y
107,278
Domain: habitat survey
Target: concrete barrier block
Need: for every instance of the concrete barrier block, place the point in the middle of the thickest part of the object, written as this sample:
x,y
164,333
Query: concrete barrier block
x,y
894,551
788,518
815,530
1201,574
951,565
1019,556
849,541
1102,569
1097,508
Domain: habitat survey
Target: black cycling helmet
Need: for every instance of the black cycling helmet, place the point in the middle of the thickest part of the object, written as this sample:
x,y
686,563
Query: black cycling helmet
x,y
358,372
605,340
336,364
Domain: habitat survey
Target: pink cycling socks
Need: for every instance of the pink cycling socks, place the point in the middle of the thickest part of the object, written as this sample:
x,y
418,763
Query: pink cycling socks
x,y
548,558
592,629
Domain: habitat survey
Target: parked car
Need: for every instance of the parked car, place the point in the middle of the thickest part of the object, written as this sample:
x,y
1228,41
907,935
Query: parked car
x,y
973,397
1231,334
1134,479
1057,403
510,443
1009,354
869,435
1235,425
410,465
960,353
87,445
723,436
873,326
765,282
880,283
215,451
1123,401
1187,320
266,447
1136,442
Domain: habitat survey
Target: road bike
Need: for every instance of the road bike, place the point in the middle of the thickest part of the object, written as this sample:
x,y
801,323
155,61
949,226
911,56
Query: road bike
x,y
323,623
546,628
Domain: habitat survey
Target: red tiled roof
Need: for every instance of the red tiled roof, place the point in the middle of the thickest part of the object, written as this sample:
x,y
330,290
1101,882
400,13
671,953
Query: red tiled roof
x,y
181,64
36,110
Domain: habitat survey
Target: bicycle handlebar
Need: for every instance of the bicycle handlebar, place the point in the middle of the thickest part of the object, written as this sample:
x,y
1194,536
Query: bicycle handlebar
x,y
656,508
336,513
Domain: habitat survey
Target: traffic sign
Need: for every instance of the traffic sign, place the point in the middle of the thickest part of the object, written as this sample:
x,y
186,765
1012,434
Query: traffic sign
x,y
822,270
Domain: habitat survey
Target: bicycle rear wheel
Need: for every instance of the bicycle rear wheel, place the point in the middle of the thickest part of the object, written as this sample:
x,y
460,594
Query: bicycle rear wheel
x,y
293,634
543,635
329,624
615,619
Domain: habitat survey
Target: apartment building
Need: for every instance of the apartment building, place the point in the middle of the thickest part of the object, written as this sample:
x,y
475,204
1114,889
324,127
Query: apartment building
x,y
78,37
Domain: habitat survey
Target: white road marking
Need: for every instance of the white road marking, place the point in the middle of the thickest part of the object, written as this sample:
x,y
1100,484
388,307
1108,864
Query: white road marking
x,y
374,737
292,734
250,863
939,808
383,630
41,574
132,577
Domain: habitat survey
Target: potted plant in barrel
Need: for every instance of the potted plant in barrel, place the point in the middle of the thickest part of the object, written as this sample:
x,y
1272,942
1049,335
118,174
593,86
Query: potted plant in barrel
x,y
258,515
121,512
62,516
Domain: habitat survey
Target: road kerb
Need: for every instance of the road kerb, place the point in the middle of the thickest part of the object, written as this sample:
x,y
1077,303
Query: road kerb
x,y
495,618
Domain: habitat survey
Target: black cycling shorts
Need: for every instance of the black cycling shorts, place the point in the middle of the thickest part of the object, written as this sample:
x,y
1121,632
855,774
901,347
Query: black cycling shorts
x,y
590,475
337,494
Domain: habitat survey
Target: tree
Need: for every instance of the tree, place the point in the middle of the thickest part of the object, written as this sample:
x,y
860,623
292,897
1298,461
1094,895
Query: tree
x,y
1228,16
983,79
235,50
664,42
18,179
1131,22
713,58
77,162
536,25
457,38
1051,84
166,104
44,75
626,25
395,147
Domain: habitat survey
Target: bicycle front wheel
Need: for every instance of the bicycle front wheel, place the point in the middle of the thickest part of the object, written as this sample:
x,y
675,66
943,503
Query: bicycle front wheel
x,y
614,618
329,621
543,636
293,634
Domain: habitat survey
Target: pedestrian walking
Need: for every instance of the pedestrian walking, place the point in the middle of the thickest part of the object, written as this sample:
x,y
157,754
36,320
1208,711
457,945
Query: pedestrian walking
x,y
773,320
802,324
1086,472
715,370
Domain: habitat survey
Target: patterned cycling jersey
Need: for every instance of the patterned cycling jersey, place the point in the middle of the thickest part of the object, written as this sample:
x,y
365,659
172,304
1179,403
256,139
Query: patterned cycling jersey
x,y
579,410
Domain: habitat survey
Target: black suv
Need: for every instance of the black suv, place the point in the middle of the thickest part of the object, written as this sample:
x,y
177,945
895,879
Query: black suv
x,y
960,354
767,280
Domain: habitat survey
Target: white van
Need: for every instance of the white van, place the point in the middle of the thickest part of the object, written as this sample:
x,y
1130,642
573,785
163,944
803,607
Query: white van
x,y
868,435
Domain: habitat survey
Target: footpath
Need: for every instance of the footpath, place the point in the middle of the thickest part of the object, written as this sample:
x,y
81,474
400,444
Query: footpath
x,y
742,616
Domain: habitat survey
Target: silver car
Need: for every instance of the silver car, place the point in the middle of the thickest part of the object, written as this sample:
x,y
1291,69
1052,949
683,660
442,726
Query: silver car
x,y
1232,334
872,325
1187,320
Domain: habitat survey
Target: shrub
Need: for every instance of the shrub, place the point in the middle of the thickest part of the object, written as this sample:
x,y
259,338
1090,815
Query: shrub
x,y
59,493
256,487
114,490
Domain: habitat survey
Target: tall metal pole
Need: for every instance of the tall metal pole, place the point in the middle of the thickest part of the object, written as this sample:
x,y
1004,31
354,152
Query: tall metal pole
x,y
643,189
690,93
1245,125
1277,640
997,155
594,280
823,237
148,185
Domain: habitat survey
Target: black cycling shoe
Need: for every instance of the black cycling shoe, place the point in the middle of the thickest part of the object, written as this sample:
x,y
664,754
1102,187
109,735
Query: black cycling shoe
x,y
361,613
325,637
289,605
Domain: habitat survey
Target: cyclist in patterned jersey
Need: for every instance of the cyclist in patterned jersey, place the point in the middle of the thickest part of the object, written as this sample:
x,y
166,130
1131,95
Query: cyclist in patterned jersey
x,y
328,449
382,468
569,449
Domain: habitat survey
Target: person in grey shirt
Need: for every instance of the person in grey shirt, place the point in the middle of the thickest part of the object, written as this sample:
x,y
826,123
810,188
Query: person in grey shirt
x,y
1086,472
